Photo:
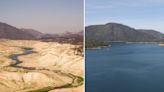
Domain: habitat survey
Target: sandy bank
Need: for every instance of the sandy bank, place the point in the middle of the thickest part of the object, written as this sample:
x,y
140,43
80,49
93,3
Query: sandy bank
x,y
51,65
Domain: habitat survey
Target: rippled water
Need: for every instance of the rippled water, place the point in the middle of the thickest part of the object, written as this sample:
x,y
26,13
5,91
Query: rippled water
x,y
125,68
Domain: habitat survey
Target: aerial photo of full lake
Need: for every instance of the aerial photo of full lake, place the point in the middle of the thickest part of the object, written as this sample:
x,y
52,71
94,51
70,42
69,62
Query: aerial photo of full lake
x,y
122,67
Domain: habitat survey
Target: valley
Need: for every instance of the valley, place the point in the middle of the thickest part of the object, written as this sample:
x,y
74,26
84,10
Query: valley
x,y
36,66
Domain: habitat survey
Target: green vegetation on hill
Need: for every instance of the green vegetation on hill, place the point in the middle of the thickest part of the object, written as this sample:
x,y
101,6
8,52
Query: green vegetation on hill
x,y
95,43
119,32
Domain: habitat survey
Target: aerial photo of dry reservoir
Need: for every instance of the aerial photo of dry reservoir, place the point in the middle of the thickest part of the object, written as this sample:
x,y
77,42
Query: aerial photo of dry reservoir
x,y
41,46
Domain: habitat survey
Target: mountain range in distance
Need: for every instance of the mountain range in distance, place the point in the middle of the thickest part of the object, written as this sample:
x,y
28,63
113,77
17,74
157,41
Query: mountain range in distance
x,y
115,32
10,32
99,33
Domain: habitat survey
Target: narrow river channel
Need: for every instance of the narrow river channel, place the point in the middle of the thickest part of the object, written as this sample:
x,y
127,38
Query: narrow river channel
x,y
76,80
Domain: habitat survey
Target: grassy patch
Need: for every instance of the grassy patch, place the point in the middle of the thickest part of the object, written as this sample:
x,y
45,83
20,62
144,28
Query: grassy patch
x,y
78,81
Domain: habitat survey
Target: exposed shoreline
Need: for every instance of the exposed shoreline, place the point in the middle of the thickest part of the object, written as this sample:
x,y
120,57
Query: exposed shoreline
x,y
143,42
76,80
161,44
25,66
99,47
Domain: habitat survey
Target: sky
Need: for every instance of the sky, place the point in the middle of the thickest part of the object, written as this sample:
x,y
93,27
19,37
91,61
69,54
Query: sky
x,y
47,16
139,14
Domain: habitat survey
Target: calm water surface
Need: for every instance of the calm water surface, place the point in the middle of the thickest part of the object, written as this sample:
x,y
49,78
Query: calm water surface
x,y
125,68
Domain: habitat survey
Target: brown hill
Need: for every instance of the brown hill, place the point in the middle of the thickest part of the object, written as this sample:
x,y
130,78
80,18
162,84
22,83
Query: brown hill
x,y
11,32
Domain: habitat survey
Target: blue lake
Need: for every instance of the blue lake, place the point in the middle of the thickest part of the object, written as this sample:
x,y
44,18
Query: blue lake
x,y
125,68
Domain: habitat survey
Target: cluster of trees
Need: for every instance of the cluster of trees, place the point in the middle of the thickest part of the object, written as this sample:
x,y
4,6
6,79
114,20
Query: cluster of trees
x,y
91,43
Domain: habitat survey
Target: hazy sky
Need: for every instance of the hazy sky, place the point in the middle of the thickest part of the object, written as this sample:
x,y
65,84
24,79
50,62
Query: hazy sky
x,y
50,16
141,14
